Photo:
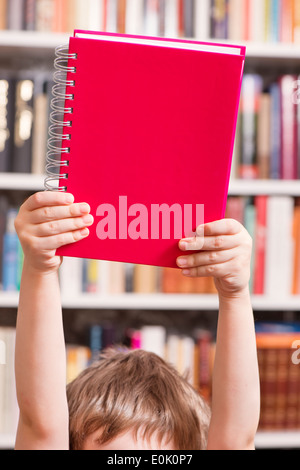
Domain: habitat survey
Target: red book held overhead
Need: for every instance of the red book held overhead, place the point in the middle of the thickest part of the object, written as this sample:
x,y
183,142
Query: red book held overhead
x,y
143,131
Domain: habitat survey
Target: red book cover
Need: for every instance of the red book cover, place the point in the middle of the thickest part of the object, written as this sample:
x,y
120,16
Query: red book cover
x,y
148,137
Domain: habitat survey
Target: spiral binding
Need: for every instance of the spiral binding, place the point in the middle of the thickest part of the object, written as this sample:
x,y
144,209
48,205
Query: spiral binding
x,y
60,119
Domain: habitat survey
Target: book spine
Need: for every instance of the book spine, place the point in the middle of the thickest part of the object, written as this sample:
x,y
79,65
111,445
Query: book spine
x,y
22,151
288,128
29,16
220,19
202,19
275,120
296,25
45,10
264,137
260,242
3,14
15,14
250,102
10,254
7,119
40,126
134,17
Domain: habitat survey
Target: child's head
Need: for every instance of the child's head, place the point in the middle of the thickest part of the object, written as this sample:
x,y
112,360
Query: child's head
x,y
136,393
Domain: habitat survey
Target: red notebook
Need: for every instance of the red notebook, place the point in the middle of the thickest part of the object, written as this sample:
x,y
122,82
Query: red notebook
x,y
148,128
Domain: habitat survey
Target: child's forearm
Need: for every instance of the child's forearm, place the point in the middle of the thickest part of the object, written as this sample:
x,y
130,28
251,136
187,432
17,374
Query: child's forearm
x,y
235,403
40,360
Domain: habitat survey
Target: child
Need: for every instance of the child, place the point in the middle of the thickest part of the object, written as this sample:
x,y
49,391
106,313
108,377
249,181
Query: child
x,y
155,408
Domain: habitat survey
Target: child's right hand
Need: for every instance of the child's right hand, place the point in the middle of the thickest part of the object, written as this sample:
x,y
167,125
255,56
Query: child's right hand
x,y
46,221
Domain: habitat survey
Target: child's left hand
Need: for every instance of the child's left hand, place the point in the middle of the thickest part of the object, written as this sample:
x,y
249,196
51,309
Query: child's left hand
x,y
225,253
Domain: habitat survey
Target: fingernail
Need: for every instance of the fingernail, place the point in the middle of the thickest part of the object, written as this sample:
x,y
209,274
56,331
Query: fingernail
x,y
69,198
88,219
84,208
186,272
182,262
183,245
84,232
200,231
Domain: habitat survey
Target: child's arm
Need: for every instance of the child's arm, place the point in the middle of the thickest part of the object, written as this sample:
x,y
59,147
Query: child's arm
x,y
225,254
45,222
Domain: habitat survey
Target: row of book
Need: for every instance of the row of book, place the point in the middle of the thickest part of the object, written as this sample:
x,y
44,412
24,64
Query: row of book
x,y
24,120
267,139
272,221
191,355
274,225
278,347
254,20
267,142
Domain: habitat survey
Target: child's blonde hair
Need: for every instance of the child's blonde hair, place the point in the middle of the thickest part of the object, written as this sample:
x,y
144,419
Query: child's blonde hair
x,y
138,391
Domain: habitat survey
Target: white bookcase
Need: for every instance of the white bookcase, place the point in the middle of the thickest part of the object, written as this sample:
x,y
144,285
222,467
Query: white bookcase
x,y
40,46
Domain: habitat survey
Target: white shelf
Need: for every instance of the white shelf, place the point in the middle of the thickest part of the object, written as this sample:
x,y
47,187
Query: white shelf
x,y
34,42
278,440
159,301
21,181
237,187
7,441
30,43
267,187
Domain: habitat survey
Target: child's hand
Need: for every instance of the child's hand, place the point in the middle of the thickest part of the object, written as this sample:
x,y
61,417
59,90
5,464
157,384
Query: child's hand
x,y
225,253
47,221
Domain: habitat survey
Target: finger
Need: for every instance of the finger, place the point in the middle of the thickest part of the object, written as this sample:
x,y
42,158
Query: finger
x,y
51,213
217,228
194,243
205,258
56,241
64,225
222,227
219,242
211,270
48,198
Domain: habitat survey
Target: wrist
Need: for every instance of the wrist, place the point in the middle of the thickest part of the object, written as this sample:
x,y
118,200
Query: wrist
x,y
240,294
34,270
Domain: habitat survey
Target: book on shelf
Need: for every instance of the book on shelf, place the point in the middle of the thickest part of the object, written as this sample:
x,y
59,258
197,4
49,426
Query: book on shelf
x,y
247,20
275,266
78,358
278,348
192,355
9,411
275,261
269,130
25,105
12,254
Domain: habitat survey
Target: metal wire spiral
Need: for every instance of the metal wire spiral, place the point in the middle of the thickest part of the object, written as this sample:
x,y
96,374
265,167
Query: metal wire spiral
x,y
60,120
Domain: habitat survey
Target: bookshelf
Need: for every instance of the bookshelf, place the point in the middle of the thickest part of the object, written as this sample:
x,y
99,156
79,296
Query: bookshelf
x,y
158,302
38,48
